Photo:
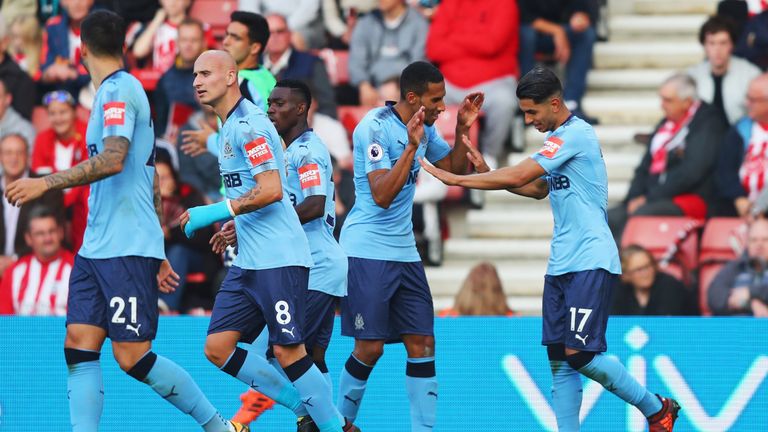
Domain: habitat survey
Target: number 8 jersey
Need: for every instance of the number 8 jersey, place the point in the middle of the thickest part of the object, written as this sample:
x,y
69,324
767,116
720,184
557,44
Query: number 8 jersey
x,y
269,237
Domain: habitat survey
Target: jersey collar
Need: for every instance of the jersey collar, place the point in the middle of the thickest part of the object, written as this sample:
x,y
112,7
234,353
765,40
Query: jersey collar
x,y
229,114
299,136
113,74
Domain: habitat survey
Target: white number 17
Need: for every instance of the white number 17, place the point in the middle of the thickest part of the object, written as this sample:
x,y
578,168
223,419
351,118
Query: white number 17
x,y
585,312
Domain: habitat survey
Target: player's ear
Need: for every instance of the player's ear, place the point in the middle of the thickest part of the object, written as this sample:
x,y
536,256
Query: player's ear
x,y
256,49
231,77
555,103
301,108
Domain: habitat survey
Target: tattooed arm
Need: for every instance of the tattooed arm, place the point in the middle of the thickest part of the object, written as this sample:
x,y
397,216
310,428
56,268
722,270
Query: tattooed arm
x,y
158,199
268,189
108,163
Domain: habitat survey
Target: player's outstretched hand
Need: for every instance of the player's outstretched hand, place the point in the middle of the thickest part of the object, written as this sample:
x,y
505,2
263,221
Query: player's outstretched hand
x,y
25,190
442,175
194,142
227,236
167,279
470,108
415,127
475,157
183,221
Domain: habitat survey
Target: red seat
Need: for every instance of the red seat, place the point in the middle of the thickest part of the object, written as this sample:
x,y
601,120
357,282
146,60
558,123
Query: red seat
x,y
337,65
350,116
674,239
215,13
722,241
147,77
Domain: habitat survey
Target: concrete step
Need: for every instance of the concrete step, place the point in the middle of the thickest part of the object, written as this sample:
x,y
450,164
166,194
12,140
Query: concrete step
x,y
627,79
611,136
497,249
640,108
656,27
510,222
657,54
677,7
519,278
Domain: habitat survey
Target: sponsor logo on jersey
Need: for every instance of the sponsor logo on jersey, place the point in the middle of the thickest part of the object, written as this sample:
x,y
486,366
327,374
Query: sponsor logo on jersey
x,y
114,114
552,145
375,152
309,176
258,151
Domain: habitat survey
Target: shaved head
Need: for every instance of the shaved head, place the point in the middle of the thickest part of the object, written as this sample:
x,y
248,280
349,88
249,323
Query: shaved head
x,y
757,99
216,79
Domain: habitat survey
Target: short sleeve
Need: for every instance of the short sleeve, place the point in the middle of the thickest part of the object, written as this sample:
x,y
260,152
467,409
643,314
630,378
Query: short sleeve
x,y
437,147
556,151
313,173
374,142
119,113
259,150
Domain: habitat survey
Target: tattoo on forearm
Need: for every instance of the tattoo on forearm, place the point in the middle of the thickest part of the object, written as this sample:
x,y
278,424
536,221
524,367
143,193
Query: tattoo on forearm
x,y
95,168
158,198
245,203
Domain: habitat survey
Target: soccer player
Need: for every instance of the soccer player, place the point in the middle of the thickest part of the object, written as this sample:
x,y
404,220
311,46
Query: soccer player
x,y
584,262
268,281
114,283
388,295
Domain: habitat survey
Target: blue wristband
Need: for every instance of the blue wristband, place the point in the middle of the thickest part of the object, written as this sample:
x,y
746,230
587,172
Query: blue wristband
x,y
203,216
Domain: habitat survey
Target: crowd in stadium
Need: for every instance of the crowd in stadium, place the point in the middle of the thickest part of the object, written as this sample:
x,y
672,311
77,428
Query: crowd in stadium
x,y
708,156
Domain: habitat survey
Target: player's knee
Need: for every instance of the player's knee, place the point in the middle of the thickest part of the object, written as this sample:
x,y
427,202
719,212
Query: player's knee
x,y
288,354
215,353
420,346
579,359
369,353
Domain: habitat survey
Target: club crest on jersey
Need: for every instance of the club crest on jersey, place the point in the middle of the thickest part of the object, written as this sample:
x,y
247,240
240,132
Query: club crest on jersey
x,y
114,114
375,152
258,151
552,145
309,176
228,151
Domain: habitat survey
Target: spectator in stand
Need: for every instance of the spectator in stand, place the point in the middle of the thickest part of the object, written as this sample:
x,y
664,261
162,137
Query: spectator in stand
x,y
61,147
38,283
303,17
160,37
14,157
384,42
674,177
644,290
175,98
562,28
474,43
742,168
11,122
340,17
202,170
27,44
753,44
186,255
741,287
481,294
15,80
62,66
722,80
286,62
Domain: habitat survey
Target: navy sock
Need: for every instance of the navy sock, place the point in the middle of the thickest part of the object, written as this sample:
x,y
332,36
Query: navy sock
x,y
314,394
421,383
85,389
352,384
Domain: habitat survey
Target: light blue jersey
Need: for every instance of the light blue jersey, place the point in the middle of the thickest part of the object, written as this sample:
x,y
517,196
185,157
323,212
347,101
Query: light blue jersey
x,y
269,237
370,231
122,220
578,192
310,173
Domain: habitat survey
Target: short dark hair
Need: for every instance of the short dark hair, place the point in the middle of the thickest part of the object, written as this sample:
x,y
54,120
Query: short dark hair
x,y
41,211
417,76
103,32
193,22
258,28
539,84
717,24
299,87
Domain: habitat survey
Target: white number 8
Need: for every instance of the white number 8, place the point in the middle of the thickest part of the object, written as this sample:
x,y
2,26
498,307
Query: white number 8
x,y
283,317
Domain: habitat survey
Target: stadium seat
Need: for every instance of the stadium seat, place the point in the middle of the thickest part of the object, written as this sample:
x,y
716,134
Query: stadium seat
x,y
337,65
350,116
722,241
215,13
147,77
674,241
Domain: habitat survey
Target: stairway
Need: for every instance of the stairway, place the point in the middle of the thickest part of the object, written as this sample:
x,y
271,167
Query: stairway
x,y
649,40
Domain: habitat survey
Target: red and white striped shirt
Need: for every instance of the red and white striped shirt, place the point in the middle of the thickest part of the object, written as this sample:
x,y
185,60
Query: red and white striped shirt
x,y
32,287
754,169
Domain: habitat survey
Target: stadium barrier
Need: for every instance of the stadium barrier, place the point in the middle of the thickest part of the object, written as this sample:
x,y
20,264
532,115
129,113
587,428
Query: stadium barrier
x,y
493,375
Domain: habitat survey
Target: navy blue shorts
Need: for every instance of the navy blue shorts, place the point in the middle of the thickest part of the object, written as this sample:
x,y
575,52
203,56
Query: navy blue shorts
x,y
116,294
318,326
576,308
250,299
386,299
